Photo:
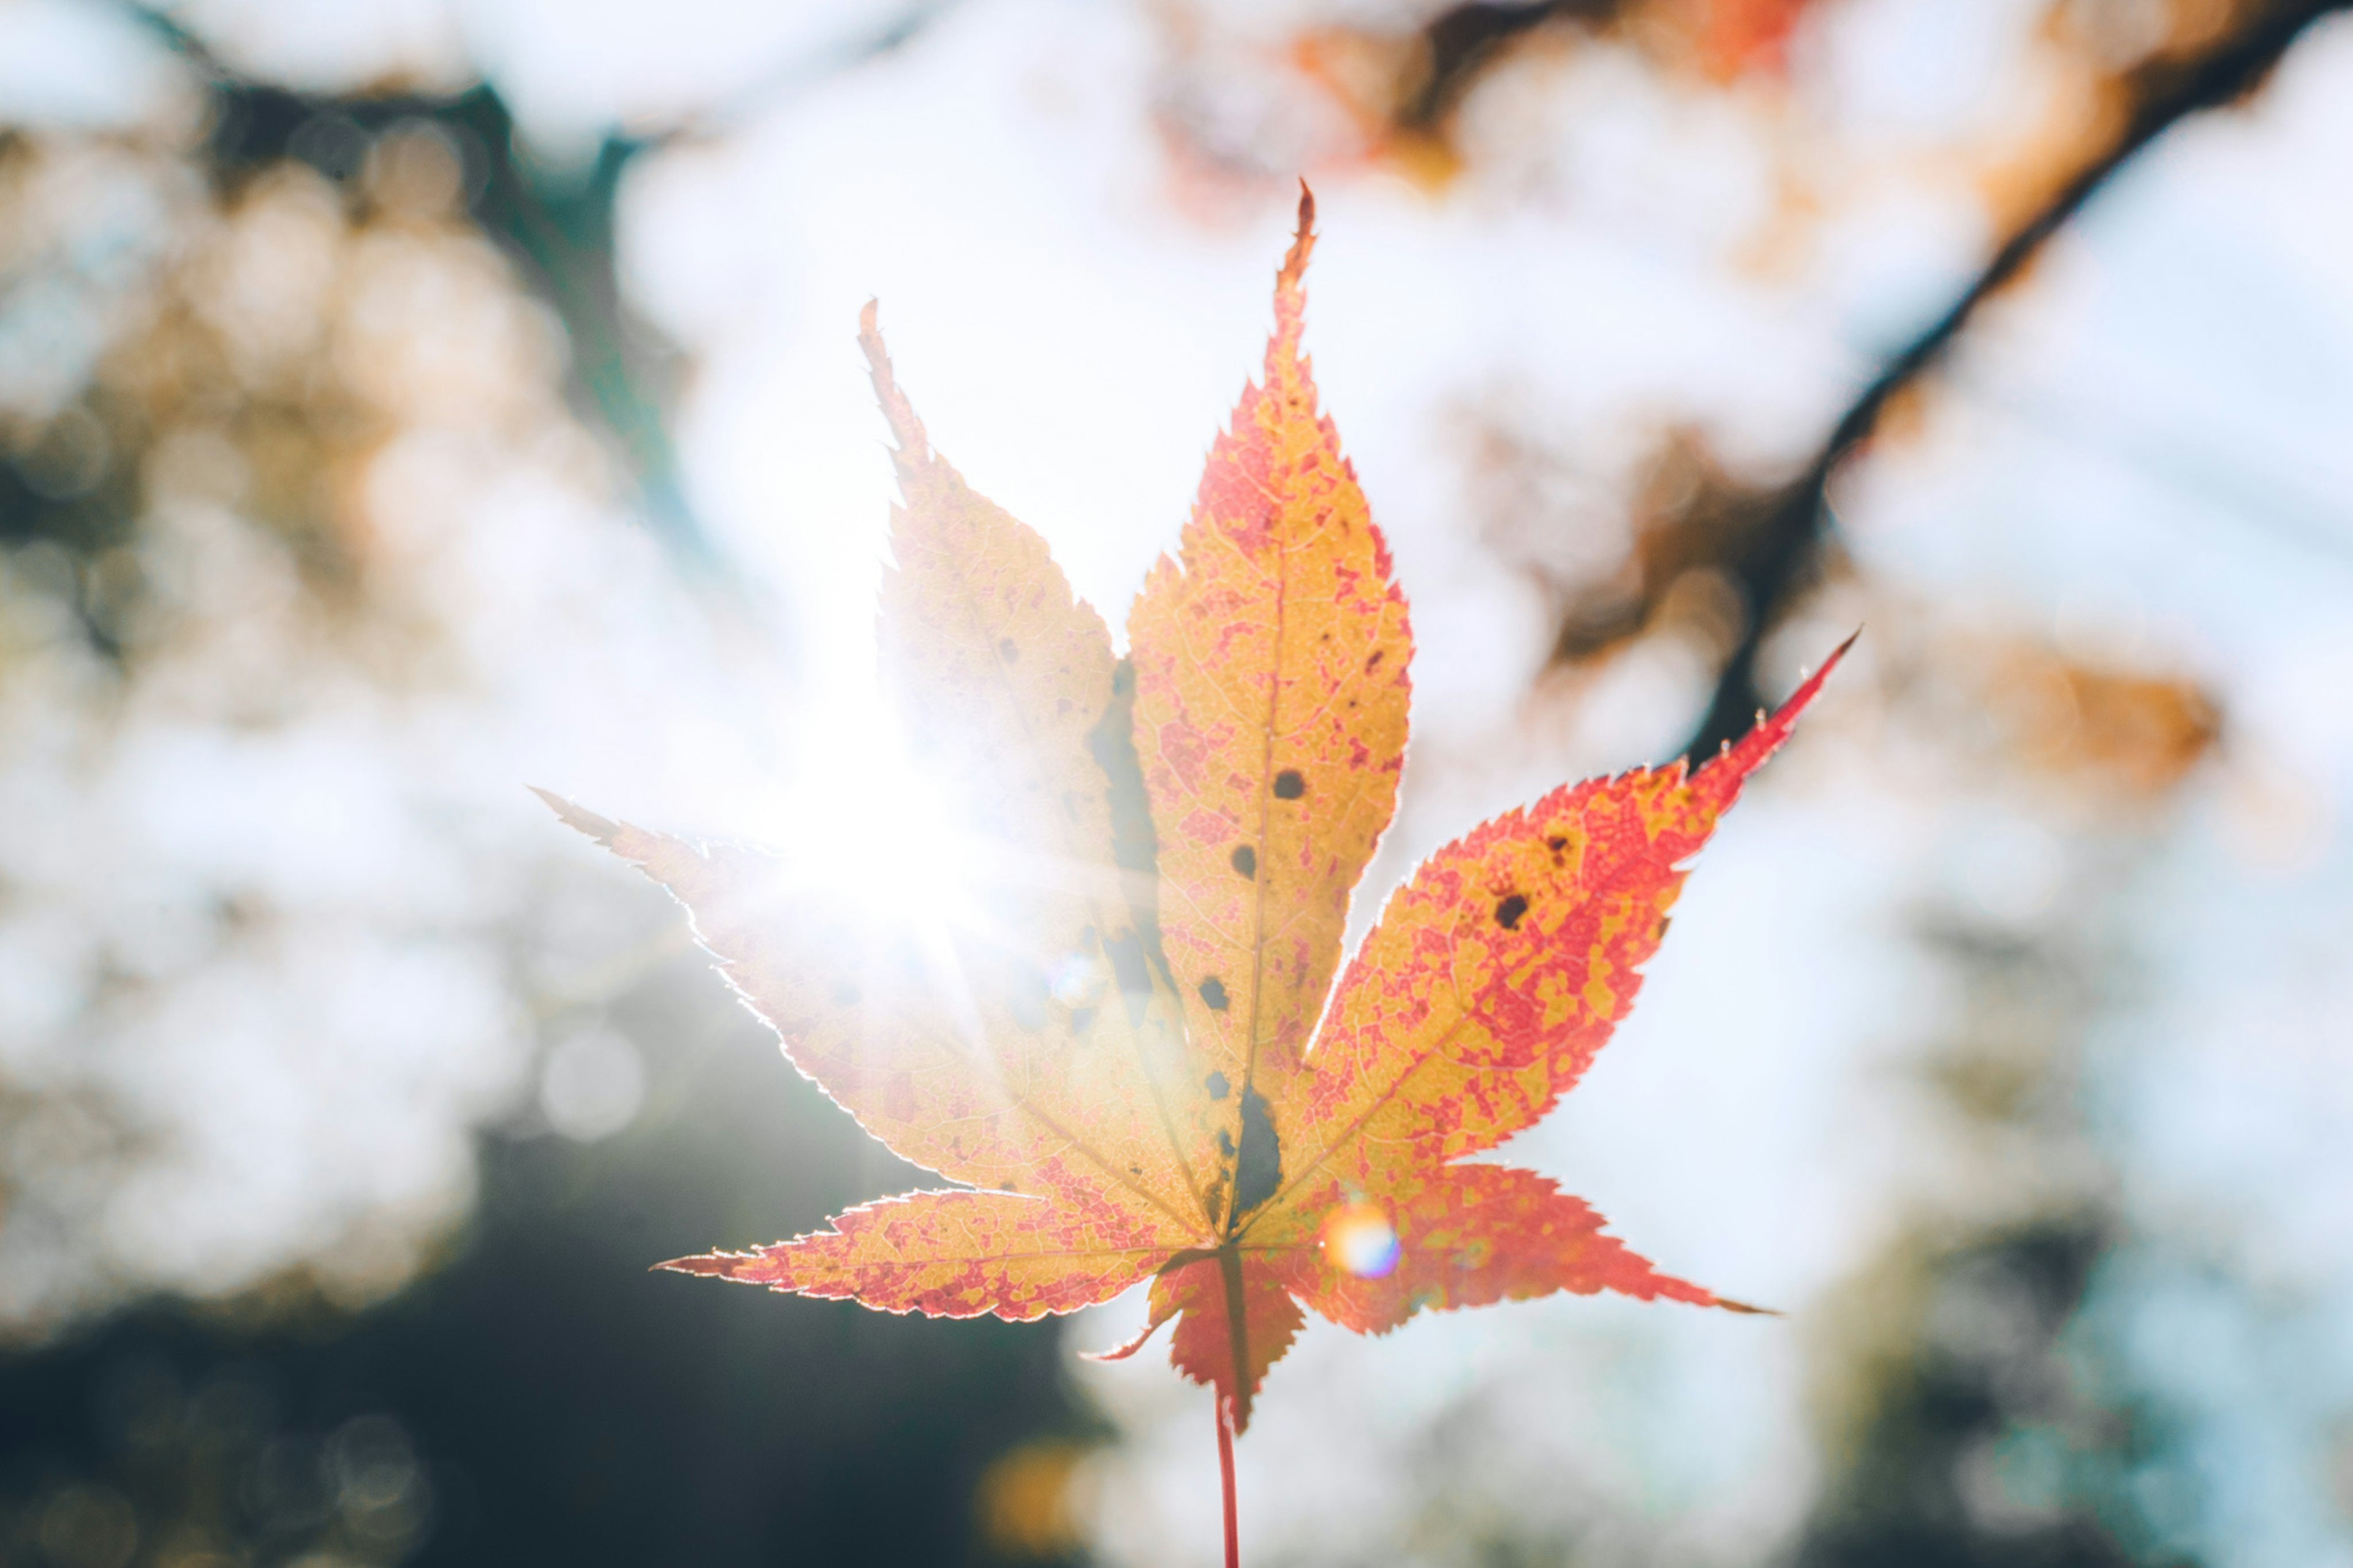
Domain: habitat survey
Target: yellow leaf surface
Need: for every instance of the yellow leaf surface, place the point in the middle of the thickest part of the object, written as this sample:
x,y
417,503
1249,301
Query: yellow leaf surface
x,y
1272,688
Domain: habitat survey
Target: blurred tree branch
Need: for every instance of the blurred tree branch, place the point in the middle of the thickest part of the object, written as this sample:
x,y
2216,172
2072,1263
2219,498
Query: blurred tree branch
x,y
1772,563
1458,44
558,226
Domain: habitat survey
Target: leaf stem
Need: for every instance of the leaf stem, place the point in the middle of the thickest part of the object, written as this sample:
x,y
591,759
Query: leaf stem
x,y
1226,1478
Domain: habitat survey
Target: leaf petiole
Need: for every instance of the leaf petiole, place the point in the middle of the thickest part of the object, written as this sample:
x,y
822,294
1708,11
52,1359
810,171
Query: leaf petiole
x,y
1225,1477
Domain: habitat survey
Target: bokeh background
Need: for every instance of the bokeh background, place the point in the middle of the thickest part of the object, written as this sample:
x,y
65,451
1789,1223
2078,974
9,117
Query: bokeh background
x,y
402,403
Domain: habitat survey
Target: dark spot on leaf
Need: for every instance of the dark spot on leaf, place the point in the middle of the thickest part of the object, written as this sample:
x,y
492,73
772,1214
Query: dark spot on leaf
x,y
845,994
1213,992
1128,966
1225,1143
1374,663
1246,860
1556,844
1134,844
1258,1175
1007,651
1216,1085
1289,786
1508,912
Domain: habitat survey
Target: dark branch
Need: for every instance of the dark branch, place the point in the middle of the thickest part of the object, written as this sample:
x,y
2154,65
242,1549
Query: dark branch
x,y
1780,558
560,232
1458,44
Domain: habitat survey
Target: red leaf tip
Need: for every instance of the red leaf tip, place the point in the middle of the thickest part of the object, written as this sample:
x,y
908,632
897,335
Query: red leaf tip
x,y
720,1264
1287,281
1732,766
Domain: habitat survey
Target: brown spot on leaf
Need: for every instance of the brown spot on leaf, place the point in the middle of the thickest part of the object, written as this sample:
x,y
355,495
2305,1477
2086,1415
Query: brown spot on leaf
x,y
1508,912
1289,785
1245,860
1257,1173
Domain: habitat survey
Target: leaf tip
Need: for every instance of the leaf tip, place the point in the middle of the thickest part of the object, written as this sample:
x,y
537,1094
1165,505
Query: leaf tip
x,y
1288,283
913,445
1302,237
579,819
1128,1347
721,1264
1733,764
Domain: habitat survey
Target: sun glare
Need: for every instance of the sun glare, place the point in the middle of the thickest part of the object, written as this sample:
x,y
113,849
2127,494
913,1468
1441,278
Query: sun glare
x,y
869,834
1359,1238
866,828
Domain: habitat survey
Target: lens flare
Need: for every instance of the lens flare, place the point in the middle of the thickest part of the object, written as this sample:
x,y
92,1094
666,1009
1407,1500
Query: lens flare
x,y
1359,1238
1077,981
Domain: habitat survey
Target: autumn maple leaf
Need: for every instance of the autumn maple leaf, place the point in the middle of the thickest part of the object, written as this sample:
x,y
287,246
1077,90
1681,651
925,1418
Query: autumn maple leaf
x,y
1123,1050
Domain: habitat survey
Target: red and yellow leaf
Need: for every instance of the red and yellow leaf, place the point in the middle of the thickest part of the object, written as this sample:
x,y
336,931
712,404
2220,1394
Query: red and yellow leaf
x,y
1466,1237
1124,1043
954,1071
1235,1313
1270,718
1501,967
953,1255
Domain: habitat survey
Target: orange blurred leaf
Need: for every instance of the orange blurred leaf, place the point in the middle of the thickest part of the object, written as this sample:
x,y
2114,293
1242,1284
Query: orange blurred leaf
x,y
1130,1051
1741,36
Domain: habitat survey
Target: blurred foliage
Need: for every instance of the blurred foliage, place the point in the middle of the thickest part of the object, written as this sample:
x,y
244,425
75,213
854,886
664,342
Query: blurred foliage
x,y
1956,1433
543,1396
243,314
2126,73
259,362
244,321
